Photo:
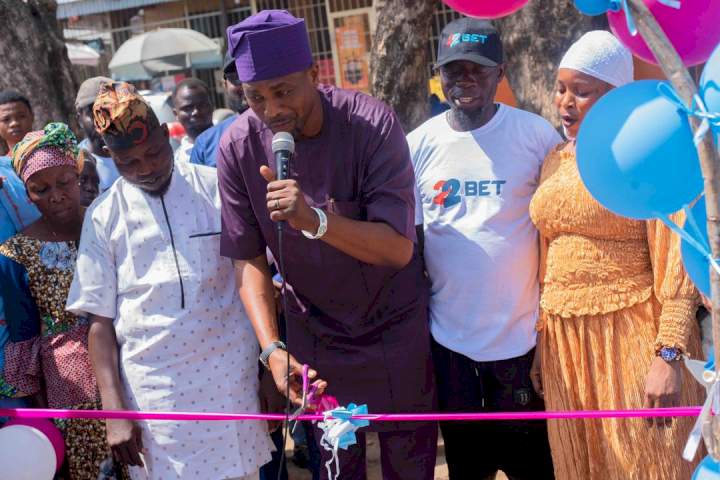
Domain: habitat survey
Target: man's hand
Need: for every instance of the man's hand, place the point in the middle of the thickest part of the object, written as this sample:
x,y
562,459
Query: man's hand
x,y
286,202
662,387
271,401
278,366
125,440
536,372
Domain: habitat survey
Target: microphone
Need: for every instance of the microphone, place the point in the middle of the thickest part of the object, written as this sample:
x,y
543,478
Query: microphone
x,y
283,146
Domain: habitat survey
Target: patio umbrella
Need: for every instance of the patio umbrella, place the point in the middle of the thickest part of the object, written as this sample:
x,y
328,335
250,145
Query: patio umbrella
x,y
162,51
81,54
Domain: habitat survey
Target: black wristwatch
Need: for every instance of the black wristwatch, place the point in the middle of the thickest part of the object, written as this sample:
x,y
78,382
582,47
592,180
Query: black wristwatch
x,y
265,355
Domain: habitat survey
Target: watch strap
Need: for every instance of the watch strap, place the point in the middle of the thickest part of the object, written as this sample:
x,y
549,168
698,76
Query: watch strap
x,y
265,354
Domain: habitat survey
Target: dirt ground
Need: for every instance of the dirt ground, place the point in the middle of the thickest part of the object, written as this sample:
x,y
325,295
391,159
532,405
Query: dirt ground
x,y
373,460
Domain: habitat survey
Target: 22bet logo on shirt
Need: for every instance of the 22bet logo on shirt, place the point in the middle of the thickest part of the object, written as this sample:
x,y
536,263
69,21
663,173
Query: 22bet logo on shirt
x,y
452,190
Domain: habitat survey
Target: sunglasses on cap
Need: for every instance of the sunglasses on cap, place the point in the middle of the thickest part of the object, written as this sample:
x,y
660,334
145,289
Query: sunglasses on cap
x,y
233,78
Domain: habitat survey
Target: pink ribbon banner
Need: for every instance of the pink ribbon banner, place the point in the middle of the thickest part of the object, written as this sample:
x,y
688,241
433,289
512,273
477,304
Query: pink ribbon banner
x,y
378,417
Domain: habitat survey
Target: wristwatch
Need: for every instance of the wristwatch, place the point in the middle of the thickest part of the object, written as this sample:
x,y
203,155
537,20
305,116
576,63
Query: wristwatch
x,y
670,354
265,355
322,227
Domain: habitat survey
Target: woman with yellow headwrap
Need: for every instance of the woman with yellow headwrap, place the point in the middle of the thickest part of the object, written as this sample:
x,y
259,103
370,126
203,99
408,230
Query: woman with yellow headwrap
x,y
47,355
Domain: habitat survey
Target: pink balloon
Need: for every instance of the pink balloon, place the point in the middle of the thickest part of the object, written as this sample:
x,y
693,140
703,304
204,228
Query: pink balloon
x,y
49,430
486,8
693,29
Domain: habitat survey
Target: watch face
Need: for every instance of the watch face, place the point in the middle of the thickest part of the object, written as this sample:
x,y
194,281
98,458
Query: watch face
x,y
668,354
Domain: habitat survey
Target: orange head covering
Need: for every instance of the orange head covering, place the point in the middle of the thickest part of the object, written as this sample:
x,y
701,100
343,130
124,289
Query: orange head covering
x,y
122,117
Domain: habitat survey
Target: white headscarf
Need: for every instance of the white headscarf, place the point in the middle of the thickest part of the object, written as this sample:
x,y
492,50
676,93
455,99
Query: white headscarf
x,y
600,55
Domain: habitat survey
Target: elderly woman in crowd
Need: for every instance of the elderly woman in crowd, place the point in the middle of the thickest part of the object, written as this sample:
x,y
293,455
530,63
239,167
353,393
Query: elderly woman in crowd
x,y
47,355
618,311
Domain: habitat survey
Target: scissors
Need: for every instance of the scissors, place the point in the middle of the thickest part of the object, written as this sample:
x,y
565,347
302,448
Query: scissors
x,y
308,395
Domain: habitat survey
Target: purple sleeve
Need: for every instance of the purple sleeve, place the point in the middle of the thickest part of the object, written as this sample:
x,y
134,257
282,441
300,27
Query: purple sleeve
x,y
241,237
389,182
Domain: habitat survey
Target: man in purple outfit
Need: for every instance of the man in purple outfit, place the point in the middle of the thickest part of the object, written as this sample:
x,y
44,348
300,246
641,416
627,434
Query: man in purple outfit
x,y
357,306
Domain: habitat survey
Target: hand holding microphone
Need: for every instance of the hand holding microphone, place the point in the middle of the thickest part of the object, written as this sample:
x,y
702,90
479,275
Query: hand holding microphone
x,y
285,199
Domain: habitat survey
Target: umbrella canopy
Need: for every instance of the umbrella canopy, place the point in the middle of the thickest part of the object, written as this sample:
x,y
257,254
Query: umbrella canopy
x,y
81,54
164,50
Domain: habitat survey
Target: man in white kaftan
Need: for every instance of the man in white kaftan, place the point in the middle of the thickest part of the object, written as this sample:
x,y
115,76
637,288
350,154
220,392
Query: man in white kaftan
x,y
149,264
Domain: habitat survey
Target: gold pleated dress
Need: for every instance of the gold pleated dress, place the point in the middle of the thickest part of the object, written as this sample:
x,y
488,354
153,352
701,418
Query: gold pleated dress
x,y
612,291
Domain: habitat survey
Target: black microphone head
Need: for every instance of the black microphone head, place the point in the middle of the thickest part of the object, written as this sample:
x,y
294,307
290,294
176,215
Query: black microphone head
x,y
283,141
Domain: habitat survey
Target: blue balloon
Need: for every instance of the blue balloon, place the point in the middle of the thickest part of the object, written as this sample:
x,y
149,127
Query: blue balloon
x,y
708,469
636,155
696,264
593,7
710,84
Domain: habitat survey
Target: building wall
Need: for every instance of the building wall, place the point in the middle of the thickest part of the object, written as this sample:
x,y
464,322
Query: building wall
x,y
340,32
164,12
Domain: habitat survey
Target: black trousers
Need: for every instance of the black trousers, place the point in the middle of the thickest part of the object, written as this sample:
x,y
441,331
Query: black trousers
x,y
477,450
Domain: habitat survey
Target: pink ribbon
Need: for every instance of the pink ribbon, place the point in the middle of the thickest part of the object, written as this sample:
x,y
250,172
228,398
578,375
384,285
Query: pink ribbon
x,y
379,417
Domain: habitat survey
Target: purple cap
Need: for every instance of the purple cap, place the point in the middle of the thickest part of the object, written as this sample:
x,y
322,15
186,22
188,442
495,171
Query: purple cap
x,y
269,44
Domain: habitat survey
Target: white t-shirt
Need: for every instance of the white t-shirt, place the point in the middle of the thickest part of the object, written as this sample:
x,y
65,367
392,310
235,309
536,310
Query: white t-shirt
x,y
481,248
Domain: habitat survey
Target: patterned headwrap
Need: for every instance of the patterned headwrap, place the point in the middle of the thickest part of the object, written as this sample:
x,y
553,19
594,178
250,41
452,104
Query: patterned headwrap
x,y
53,146
122,117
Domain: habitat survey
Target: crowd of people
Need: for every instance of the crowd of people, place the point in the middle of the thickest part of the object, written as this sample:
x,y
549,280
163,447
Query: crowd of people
x,y
462,267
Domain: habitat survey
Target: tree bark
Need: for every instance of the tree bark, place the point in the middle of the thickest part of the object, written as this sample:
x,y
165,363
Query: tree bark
x,y
534,40
399,58
35,60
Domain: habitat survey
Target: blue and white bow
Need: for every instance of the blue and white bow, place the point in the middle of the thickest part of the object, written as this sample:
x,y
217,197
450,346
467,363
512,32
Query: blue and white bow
x,y
339,429
705,374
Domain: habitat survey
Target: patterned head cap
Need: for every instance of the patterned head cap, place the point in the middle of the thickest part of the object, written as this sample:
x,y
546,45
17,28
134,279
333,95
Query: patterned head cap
x,y
122,117
53,146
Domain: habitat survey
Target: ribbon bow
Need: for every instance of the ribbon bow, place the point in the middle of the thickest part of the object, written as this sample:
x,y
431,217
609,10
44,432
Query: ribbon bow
x,y
696,109
705,374
617,5
339,429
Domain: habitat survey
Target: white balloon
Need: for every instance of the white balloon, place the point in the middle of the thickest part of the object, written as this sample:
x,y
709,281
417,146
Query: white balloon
x,y
26,454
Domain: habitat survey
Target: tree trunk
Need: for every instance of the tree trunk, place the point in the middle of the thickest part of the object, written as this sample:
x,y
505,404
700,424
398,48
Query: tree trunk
x,y
399,58
35,61
535,39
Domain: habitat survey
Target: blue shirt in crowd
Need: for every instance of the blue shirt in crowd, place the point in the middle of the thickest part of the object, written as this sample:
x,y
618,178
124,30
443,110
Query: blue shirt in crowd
x,y
204,151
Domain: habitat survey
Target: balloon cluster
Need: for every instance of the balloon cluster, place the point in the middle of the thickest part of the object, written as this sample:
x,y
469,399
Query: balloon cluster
x,y
692,26
636,155
31,449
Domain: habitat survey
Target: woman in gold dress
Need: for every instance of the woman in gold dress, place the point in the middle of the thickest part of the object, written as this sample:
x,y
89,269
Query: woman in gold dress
x,y
617,309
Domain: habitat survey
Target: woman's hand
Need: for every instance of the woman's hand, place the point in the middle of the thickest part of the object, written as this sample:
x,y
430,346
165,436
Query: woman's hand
x,y
662,388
